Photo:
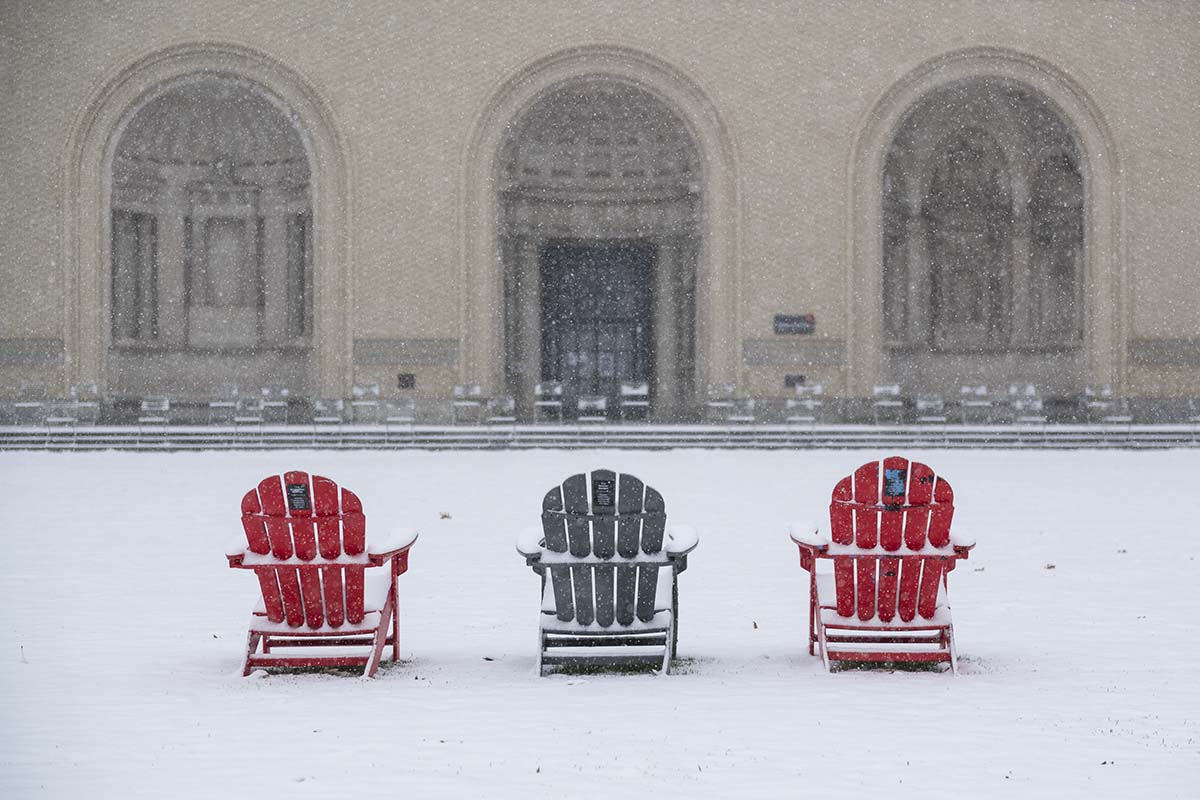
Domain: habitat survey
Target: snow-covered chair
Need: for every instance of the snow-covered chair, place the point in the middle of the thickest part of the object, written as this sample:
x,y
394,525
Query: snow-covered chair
x,y
548,402
887,406
889,541
609,566
328,599
807,405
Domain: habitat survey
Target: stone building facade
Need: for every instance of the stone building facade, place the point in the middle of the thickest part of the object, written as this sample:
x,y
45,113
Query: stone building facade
x,y
424,195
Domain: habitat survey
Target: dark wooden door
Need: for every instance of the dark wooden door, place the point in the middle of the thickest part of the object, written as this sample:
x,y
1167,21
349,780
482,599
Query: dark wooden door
x,y
597,316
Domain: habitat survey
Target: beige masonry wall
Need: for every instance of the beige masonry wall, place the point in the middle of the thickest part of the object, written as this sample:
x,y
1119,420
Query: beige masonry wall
x,y
793,86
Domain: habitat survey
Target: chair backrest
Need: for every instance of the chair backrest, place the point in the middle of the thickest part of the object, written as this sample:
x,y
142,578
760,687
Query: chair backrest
x,y
468,392
886,391
328,410
607,529
592,403
899,512
931,404
548,390
400,410
297,517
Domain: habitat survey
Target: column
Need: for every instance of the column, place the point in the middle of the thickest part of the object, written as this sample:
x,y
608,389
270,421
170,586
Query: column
x,y
920,287
1024,317
666,330
172,211
527,370
272,205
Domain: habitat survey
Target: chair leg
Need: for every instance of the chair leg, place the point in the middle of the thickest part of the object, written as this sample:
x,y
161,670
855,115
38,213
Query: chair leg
x,y
395,622
674,614
541,650
812,610
669,648
252,640
823,644
953,651
381,634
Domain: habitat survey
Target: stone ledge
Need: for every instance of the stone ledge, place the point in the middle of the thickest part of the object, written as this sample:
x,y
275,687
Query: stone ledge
x,y
421,352
31,352
762,352
1165,352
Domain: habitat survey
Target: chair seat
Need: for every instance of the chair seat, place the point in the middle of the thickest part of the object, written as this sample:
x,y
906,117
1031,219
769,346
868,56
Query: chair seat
x,y
827,601
376,584
260,624
660,621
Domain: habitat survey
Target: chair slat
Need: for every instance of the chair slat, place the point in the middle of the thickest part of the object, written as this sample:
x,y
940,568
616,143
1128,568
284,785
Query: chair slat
x,y
585,609
554,529
310,592
931,579
270,494
268,582
843,578
605,587
866,497
289,587
888,582
865,596
255,528
841,516
895,495
300,510
910,582
334,593
916,523
941,514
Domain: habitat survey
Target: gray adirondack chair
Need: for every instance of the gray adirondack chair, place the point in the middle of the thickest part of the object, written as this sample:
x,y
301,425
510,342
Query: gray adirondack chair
x,y
609,566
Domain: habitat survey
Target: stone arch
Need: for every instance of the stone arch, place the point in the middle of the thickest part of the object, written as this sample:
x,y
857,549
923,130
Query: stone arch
x,y
87,261
481,312
1105,304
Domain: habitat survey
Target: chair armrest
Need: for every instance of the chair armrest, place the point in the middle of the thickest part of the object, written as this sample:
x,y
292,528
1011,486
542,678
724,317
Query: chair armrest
x,y
397,540
235,551
814,535
680,540
236,547
529,543
962,544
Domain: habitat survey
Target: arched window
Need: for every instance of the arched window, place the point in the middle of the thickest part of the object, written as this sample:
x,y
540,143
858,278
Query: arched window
x,y
982,222
967,218
211,221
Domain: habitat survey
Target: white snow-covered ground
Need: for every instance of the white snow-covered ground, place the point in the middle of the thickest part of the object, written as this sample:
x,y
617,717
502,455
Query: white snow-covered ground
x,y
121,633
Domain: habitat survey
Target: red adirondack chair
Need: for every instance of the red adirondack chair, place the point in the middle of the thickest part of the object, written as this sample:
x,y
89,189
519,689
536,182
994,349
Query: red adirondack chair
x,y
889,541
307,544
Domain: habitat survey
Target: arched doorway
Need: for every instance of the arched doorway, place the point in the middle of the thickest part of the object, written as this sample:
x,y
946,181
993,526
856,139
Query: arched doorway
x,y
211,245
983,223
600,204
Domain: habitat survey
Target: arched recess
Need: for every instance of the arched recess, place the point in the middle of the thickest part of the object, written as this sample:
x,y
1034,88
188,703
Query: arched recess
x,y
482,327
87,208
1105,304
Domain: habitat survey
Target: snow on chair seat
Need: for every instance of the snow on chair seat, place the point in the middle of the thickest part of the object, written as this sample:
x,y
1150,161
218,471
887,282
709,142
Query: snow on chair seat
x,y
891,548
609,566
306,542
